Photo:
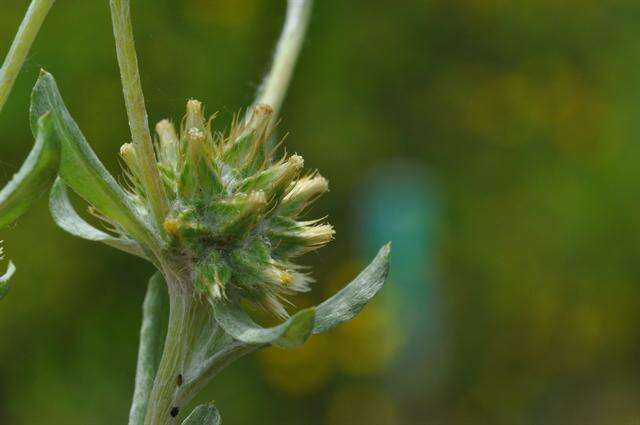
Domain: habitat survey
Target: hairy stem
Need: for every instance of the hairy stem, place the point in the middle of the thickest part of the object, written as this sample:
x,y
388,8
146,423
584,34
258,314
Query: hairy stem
x,y
196,349
184,318
21,45
136,111
275,84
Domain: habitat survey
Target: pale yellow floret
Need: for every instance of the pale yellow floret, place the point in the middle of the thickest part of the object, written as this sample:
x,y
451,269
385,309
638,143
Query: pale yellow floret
x,y
172,226
286,279
195,115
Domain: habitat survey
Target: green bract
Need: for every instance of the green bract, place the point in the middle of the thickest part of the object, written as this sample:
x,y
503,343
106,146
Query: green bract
x,y
220,215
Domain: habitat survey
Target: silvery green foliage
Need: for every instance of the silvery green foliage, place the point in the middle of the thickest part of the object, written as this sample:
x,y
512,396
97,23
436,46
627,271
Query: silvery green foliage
x,y
4,279
220,214
11,207
151,338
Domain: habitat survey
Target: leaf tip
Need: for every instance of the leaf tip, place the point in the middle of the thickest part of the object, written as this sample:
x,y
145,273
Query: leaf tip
x,y
205,414
4,280
44,73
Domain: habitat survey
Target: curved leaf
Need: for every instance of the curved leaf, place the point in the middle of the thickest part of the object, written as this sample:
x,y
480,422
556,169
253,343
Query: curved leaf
x,y
351,299
150,349
80,168
35,175
4,280
68,219
205,414
237,323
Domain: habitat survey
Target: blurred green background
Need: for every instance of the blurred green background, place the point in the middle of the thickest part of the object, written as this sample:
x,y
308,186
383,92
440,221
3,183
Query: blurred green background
x,y
493,141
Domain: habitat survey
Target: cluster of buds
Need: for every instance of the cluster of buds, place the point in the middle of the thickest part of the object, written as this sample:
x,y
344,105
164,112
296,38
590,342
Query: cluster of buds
x,y
234,209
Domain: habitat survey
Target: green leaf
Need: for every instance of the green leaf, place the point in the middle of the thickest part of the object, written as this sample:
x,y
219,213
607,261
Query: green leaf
x,y
80,168
68,219
4,280
237,323
205,414
35,175
351,299
150,349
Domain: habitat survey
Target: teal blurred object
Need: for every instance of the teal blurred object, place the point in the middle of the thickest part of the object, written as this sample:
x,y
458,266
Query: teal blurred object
x,y
400,203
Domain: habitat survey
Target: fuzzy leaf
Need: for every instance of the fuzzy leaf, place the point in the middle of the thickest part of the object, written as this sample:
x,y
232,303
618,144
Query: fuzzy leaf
x,y
348,302
205,414
4,280
68,219
35,175
150,349
237,323
80,168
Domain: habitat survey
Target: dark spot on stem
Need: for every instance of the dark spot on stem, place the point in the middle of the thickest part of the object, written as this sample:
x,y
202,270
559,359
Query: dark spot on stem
x,y
179,380
175,411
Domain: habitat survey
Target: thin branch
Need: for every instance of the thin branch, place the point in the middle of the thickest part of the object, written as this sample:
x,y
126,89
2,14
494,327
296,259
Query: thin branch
x,y
275,84
29,28
136,110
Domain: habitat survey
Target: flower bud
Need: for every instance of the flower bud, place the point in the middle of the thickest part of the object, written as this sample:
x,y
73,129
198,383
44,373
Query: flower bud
x,y
275,179
241,213
130,157
128,154
260,118
300,238
195,116
169,143
196,139
247,146
302,193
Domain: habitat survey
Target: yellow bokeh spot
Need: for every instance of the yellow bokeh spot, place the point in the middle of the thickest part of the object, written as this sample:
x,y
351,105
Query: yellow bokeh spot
x,y
368,344
304,370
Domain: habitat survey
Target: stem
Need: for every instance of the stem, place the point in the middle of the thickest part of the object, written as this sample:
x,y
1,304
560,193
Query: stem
x,y
185,317
33,19
195,350
136,111
275,84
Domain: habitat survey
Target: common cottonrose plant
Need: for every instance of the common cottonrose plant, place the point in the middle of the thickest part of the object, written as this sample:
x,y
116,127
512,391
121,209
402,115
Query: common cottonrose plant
x,y
219,214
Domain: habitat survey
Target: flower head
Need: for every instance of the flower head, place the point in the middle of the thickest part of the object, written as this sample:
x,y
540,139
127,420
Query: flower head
x,y
235,209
